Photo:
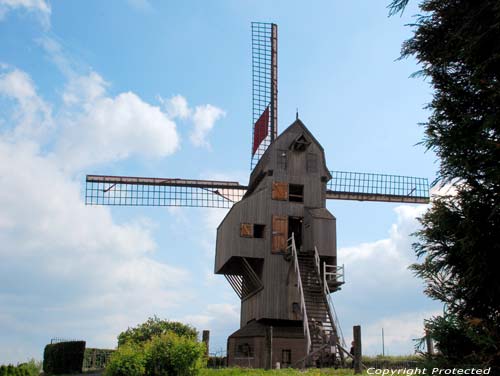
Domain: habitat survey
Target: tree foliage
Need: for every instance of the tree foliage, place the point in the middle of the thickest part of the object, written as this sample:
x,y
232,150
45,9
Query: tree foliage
x,y
457,42
128,360
173,355
165,354
155,327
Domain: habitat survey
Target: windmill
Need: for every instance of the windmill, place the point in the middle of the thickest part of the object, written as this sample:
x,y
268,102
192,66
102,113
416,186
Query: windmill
x,y
277,244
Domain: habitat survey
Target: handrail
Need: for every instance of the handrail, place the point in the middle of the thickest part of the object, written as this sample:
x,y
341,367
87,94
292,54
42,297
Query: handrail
x,y
337,272
326,291
317,261
335,316
305,321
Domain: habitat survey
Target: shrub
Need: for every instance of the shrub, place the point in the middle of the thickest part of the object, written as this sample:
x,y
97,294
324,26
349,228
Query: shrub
x,y
24,369
174,355
31,368
127,360
155,327
63,357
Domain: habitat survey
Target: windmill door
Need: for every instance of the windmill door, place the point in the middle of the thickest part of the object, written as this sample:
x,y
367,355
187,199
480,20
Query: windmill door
x,y
280,234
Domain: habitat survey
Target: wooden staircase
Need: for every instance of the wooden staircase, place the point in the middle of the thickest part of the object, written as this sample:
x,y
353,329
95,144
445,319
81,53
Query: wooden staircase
x,y
324,336
324,346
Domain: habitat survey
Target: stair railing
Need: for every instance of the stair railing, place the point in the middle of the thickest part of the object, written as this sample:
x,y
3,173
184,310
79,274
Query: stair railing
x,y
291,248
328,274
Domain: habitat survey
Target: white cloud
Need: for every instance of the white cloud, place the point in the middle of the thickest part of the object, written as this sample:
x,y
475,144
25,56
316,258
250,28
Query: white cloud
x,y
109,129
56,54
39,7
400,331
393,253
84,90
380,291
176,107
448,189
68,269
204,119
83,275
31,117
221,319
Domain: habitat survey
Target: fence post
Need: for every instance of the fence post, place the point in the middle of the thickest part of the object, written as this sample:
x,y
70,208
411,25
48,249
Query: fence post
x,y
356,331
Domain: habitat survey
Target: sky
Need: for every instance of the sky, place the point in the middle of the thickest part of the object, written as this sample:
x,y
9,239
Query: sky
x,y
163,89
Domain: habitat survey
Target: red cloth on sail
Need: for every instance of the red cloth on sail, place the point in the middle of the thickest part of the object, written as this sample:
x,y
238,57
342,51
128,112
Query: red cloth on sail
x,y
261,129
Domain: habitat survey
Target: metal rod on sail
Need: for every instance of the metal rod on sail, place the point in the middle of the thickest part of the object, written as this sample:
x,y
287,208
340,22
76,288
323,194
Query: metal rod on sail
x,y
274,82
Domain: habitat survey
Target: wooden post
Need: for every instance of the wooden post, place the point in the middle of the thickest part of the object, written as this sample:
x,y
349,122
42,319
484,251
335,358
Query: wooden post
x,y
430,344
269,347
356,332
205,337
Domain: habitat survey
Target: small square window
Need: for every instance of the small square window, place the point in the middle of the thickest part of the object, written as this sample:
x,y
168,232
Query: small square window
x,y
246,230
286,357
258,231
250,230
279,191
244,350
296,193
281,159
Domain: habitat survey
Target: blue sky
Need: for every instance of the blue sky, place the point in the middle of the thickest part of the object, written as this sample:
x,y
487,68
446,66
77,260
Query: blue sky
x,y
164,89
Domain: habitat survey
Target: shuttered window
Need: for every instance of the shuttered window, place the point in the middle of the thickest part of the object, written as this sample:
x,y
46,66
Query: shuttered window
x,y
280,191
246,230
280,234
251,230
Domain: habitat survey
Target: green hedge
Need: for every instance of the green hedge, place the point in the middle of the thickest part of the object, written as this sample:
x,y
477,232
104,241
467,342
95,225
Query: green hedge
x,y
63,357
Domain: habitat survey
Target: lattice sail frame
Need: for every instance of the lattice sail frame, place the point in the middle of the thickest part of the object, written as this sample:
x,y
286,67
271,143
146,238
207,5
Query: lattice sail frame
x,y
264,82
138,191
361,186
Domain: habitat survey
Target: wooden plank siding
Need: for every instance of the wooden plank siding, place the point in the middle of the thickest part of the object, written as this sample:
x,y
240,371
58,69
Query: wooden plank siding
x,y
268,204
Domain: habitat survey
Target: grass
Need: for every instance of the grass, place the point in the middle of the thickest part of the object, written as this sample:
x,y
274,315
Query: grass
x,y
282,372
371,360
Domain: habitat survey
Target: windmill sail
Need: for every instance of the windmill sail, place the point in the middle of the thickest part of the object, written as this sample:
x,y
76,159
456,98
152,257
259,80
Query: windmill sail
x,y
361,186
260,130
264,87
140,191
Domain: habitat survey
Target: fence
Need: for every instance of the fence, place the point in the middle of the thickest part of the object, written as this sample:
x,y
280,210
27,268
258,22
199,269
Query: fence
x,y
95,359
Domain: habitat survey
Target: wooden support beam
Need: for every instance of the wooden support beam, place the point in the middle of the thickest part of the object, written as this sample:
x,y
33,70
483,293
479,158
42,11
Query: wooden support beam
x,y
269,347
356,333
205,337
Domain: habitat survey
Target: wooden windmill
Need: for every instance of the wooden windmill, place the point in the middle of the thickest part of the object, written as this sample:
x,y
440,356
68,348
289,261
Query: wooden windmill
x,y
277,244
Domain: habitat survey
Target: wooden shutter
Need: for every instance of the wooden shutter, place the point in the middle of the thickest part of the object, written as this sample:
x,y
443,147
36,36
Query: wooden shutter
x,y
280,234
280,191
246,230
